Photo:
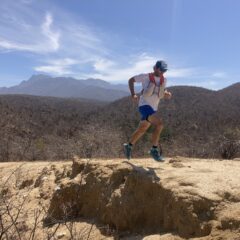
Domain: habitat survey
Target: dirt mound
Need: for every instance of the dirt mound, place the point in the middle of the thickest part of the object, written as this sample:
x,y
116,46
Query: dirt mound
x,y
179,199
178,196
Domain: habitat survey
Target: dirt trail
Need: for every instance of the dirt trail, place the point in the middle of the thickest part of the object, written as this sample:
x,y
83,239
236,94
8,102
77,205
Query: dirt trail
x,y
179,199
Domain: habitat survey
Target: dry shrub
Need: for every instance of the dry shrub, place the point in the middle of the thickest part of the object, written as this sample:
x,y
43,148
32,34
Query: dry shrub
x,y
229,149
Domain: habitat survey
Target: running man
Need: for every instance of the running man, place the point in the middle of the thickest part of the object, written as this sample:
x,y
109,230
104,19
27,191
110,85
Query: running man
x,y
153,85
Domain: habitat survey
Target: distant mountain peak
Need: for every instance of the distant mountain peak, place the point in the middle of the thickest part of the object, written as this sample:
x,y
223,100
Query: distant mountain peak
x,y
36,77
97,81
45,85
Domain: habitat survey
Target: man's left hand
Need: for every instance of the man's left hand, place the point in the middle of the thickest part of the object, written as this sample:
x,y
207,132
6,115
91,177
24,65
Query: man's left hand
x,y
167,95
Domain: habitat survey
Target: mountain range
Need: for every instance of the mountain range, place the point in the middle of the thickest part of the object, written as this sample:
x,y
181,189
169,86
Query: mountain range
x,y
44,85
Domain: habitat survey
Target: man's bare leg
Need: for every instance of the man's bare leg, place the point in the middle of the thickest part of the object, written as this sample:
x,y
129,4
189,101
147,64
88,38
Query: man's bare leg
x,y
154,152
142,128
158,126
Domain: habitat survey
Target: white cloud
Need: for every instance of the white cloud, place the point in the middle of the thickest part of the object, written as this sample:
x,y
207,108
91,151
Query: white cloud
x,y
219,75
181,72
49,33
27,27
103,65
114,71
58,66
36,39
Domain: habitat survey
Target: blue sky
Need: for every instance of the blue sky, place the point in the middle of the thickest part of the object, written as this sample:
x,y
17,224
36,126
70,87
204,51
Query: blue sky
x,y
114,40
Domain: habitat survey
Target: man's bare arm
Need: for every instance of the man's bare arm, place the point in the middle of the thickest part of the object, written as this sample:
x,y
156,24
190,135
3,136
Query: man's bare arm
x,y
131,86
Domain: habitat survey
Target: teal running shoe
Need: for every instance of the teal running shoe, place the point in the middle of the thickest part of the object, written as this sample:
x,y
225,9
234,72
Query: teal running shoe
x,y
156,155
127,150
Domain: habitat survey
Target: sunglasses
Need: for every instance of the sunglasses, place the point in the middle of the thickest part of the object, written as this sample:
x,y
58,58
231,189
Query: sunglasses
x,y
162,69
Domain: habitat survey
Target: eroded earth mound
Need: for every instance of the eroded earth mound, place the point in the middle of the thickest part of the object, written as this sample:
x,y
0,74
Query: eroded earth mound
x,y
111,199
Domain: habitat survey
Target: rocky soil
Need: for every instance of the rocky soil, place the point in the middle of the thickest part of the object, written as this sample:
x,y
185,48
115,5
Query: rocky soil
x,y
181,198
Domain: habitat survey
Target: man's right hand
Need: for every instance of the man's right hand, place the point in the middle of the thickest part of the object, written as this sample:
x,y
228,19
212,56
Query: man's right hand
x,y
135,98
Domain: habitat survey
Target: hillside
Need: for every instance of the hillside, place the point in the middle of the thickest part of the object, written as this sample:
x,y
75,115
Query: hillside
x,y
34,127
43,85
198,123
116,199
231,90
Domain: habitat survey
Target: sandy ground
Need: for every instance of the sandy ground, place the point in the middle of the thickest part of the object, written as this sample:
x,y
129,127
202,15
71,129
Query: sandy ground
x,y
209,190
